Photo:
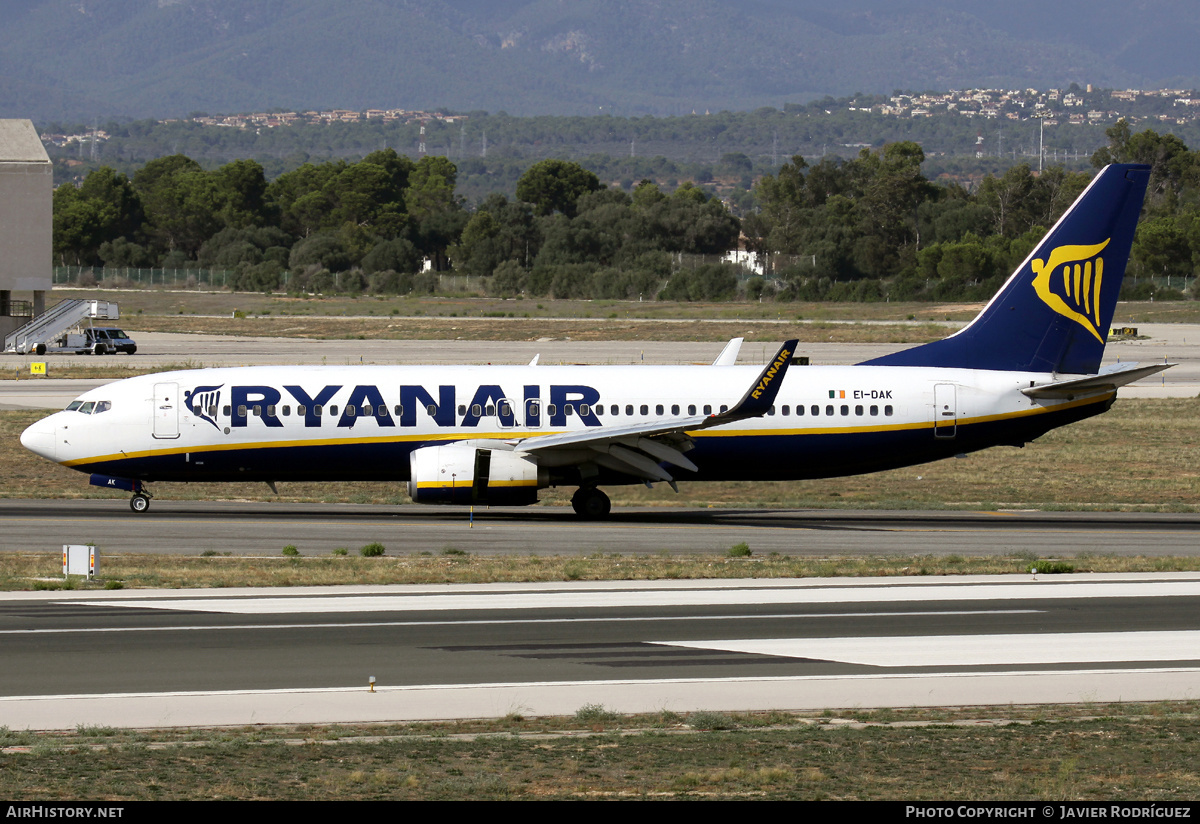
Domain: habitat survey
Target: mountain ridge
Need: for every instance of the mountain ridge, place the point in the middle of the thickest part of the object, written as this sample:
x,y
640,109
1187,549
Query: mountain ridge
x,y
79,59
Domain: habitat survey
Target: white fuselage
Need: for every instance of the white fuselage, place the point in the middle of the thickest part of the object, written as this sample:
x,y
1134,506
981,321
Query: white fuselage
x,y
282,423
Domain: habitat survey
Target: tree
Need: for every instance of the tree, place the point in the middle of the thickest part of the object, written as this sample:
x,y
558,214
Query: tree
x,y
555,186
103,209
182,203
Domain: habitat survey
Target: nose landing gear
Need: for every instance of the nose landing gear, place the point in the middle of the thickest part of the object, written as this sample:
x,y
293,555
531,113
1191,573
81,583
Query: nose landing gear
x,y
140,502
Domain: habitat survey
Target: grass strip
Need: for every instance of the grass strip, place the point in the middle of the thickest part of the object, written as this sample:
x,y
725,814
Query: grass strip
x,y
1131,752
43,571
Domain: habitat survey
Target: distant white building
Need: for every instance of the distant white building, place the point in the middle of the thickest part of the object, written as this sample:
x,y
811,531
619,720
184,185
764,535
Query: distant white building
x,y
747,260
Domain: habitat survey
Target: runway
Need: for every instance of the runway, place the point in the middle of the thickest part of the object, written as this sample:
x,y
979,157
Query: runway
x,y
194,527
141,659
175,658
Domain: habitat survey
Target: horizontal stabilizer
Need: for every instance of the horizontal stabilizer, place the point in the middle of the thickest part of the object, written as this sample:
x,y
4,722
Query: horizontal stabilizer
x,y
729,354
1116,376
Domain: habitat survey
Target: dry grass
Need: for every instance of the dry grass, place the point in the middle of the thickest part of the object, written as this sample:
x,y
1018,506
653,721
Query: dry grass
x,y
1096,753
526,329
136,303
43,571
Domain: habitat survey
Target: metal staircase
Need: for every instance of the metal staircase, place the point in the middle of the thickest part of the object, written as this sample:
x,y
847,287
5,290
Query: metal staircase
x,y
50,325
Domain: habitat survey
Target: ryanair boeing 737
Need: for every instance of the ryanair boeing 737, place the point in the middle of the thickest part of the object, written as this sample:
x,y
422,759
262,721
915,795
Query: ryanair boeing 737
x,y
495,435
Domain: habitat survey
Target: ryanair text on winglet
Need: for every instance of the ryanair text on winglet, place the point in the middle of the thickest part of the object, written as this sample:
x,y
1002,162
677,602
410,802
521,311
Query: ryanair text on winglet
x,y
769,375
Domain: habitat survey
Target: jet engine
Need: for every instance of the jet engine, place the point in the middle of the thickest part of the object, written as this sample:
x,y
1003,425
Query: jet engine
x,y
463,474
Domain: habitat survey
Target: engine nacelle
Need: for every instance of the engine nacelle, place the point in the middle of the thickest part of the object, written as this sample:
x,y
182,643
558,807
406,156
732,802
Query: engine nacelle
x,y
459,474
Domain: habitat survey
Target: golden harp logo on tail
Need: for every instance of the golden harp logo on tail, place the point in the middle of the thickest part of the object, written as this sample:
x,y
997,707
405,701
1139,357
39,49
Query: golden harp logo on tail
x,y
1069,283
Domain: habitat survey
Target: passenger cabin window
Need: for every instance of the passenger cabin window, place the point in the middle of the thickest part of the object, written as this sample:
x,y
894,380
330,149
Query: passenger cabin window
x,y
787,410
287,411
708,409
628,409
874,411
659,410
551,409
431,409
724,408
226,411
584,409
476,410
887,410
674,409
829,410
858,410
845,410
815,410
645,410
491,411
691,409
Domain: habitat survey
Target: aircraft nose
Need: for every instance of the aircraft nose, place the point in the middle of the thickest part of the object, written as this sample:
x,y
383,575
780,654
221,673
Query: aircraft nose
x,y
39,438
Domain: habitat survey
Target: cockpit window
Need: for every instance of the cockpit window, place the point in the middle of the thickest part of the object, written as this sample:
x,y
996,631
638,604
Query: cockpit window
x,y
89,407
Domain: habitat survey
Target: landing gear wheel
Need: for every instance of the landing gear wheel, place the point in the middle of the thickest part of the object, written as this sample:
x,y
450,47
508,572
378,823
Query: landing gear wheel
x,y
591,504
139,503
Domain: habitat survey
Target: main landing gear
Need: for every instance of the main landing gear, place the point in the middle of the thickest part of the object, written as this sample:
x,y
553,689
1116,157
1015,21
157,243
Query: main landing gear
x,y
591,504
140,502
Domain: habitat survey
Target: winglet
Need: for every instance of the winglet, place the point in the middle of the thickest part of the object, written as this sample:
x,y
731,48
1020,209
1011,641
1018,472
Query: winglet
x,y
762,392
729,354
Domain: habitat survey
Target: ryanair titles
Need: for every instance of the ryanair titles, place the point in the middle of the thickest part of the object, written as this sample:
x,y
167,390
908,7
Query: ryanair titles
x,y
268,405
768,377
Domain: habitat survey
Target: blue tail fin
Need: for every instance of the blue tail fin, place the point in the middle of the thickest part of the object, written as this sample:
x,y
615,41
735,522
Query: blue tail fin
x,y
1053,314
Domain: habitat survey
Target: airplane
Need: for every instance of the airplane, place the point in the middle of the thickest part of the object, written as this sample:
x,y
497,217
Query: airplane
x,y
496,435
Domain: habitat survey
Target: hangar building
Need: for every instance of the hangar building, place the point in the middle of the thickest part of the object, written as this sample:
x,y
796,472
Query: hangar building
x,y
26,223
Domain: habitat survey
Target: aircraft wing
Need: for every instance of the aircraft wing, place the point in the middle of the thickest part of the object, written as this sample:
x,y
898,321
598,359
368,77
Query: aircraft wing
x,y
638,449
1109,378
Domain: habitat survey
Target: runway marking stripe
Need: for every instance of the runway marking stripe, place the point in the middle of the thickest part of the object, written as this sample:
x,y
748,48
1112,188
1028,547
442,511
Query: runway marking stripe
x,y
640,683
510,621
972,650
283,605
